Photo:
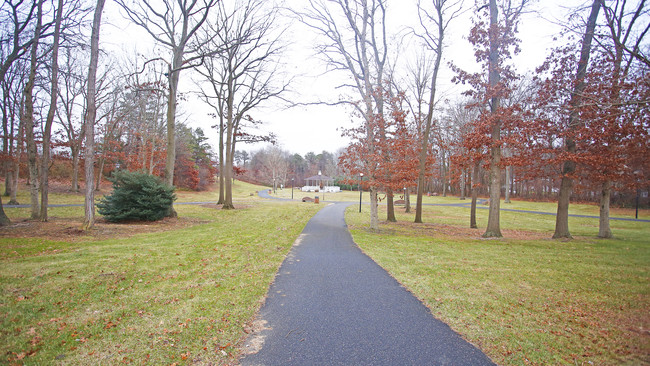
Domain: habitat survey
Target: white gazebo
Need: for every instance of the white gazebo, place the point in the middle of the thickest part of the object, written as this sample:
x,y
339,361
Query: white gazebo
x,y
320,183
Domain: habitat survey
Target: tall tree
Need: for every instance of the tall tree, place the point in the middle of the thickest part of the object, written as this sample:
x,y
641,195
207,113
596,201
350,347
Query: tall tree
x,y
569,166
12,103
47,129
70,117
173,24
444,11
493,227
623,117
356,42
242,76
494,43
91,114
32,152
18,17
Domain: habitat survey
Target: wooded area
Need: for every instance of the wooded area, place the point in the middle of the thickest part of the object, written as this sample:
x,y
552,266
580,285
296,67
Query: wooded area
x,y
575,129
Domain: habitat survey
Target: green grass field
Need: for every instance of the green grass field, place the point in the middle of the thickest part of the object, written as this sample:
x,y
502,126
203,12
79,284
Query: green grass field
x,y
524,299
184,296
187,295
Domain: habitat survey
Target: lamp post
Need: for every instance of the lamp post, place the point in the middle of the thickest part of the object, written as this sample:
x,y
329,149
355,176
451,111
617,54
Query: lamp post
x,y
636,213
360,191
291,188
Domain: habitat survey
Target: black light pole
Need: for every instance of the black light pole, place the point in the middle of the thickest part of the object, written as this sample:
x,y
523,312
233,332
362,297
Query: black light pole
x,y
636,214
360,191
291,188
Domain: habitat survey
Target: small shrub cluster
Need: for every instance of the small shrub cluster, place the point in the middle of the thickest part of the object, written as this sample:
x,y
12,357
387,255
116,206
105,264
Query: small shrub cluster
x,y
137,197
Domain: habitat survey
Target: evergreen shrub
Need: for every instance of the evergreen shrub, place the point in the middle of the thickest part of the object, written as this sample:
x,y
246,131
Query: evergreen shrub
x,y
137,196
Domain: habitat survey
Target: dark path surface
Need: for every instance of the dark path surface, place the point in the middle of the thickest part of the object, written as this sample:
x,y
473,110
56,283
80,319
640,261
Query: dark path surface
x,y
332,305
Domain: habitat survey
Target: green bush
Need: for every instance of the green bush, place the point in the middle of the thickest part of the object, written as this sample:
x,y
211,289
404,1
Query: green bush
x,y
137,197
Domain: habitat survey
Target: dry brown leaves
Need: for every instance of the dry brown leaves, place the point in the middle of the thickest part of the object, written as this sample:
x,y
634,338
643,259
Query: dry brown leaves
x,y
69,230
459,232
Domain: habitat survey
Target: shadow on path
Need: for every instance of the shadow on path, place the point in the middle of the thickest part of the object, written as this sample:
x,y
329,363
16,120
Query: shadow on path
x,y
331,304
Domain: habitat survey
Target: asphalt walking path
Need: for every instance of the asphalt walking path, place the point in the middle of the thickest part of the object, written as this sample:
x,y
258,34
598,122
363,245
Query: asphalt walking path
x,y
331,304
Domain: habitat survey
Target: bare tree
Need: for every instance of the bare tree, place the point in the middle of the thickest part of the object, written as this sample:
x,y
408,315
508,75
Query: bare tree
x,y
32,153
70,117
174,25
241,77
18,15
443,12
11,105
355,42
47,129
91,114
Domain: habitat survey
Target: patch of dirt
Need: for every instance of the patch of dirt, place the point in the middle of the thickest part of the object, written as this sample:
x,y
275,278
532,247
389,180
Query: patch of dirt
x,y
220,207
256,338
69,230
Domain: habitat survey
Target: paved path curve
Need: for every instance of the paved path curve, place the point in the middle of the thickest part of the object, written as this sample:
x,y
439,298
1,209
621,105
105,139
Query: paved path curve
x,y
331,304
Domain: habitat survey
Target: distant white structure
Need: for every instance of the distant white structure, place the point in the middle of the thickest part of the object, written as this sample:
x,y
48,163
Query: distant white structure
x,y
320,183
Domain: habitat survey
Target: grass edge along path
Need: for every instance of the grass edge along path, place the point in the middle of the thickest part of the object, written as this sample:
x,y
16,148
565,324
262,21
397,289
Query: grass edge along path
x,y
535,301
183,296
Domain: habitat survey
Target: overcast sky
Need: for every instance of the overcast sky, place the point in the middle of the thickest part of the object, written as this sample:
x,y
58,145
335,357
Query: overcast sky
x,y
317,128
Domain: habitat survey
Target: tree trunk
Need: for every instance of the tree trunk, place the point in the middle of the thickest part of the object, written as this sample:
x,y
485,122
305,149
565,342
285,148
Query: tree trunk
x,y
47,130
604,230
4,220
91,114
7,163
569,166
462,184
19,153
474,185
508,178
444,175
374,210
222,167
493,229
100,174
230,127
390,206
75,170
407,201
29,119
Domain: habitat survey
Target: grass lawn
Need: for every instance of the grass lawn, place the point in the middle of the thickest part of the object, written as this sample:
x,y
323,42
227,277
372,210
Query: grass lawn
x,y
524,299
182,296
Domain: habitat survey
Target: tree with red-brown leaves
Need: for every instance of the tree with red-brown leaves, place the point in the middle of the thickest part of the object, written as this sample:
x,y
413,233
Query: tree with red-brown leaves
x,y
599,114
391,163
494,43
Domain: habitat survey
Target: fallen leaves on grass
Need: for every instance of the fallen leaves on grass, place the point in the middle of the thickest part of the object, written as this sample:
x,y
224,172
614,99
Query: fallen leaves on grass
x,y
68,230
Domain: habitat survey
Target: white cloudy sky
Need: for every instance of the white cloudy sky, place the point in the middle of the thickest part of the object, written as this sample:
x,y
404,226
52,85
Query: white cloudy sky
x,y
317,128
